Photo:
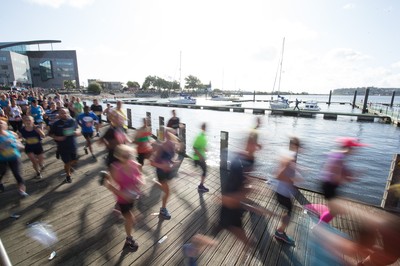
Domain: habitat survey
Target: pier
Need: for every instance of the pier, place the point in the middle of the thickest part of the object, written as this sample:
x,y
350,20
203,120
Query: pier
x,y
90,233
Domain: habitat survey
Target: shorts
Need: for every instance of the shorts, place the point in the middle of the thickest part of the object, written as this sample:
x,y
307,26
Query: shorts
x,y
125,207
203,166
141,156
111,158
285,202
230,217
99,117
37,150
68,157
329,190
163,176
87,135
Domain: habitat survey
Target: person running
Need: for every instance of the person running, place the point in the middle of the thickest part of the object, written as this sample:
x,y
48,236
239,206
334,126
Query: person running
x,y
15,116
199,157
163,161
124,181
284,191
10,157
252,144
37,112
122,114
87,120
78,107
33,136
64,132
98,110
143,141
106,111
114,136
336,172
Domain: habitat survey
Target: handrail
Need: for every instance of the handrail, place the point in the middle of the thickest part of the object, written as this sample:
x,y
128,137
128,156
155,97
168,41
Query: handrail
x,y
4,256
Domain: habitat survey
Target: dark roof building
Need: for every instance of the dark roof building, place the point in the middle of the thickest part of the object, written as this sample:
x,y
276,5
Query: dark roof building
x,y
22,66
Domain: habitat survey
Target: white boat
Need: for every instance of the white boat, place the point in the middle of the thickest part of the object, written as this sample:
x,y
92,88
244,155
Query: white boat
x,y
281,102
222,97
183,99
311,106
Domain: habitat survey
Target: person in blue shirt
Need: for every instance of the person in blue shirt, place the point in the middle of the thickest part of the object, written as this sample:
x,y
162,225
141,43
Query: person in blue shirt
x,y
10,157
64,132
37,112
87,121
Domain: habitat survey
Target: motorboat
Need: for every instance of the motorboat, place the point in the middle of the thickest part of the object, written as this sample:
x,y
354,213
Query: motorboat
x,y
311,106
222,97
183,99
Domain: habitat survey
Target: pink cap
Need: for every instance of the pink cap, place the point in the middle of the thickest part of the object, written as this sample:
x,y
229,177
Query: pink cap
x,y
349,142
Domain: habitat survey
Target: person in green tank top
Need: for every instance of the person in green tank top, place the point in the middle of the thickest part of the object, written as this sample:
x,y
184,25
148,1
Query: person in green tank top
x,y
199,156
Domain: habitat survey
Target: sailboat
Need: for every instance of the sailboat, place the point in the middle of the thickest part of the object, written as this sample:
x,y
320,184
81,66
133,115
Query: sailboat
x,y
184,98
281,102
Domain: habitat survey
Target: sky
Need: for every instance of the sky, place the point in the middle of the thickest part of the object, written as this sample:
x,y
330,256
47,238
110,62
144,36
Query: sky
x,y
235,45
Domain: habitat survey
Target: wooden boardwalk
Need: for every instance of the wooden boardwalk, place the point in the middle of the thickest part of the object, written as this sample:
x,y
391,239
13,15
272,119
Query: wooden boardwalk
x,y
91,233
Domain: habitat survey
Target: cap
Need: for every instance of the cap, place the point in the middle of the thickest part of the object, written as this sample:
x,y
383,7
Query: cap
x,y
348,142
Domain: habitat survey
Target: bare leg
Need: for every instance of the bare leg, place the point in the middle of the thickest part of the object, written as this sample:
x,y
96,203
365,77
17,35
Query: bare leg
x,y
165,189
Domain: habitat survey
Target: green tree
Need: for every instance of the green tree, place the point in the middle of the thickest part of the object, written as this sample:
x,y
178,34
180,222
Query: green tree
x,y
133,84
192,82
69,84
94,88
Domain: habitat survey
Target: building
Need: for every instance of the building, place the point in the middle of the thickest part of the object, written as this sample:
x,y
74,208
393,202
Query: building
x,y
22,66
110,86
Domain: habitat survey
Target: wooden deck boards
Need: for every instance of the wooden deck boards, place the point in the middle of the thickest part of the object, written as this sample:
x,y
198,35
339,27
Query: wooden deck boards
x,y
91,233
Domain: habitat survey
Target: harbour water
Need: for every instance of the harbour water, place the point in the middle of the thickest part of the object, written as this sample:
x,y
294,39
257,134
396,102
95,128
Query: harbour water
x,y
318,136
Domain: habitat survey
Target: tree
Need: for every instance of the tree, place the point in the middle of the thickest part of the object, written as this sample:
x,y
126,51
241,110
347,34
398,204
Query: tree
x,y
69,84
94,88
192,82
133,84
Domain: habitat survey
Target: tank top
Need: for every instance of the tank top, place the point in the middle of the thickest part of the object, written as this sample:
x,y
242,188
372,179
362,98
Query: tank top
x,y
32,138
9,149
15,114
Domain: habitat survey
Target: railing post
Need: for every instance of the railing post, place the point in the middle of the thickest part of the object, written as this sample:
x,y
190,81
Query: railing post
x,y
365,109
330,96
391,102
224,150
129,114
148,117
161,128
182,137
354,99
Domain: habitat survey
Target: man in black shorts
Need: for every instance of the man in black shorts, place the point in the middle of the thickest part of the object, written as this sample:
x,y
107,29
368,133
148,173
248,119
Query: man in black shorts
x,y
64,132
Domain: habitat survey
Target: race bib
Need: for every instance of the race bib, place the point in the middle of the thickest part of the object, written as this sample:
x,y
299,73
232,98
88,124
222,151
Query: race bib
x,y
7,152
32,140
69,131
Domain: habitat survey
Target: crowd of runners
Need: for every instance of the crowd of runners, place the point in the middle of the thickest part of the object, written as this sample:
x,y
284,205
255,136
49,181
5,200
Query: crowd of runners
x,y
26,118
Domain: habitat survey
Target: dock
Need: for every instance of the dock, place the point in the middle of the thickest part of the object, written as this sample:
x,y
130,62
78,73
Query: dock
x,y
90,232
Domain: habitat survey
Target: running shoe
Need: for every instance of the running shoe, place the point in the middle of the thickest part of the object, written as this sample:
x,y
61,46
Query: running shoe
x,y
103,175
165,214
86,150
68,179
188,252
131,244
23,194
39,176
202,188
97,134
41,167
285,238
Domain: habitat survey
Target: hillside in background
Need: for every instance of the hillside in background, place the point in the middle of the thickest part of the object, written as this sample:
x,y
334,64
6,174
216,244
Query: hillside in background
x,y
361,91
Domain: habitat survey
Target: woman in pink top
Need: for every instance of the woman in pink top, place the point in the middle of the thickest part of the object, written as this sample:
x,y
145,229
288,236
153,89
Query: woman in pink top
x,y
124,181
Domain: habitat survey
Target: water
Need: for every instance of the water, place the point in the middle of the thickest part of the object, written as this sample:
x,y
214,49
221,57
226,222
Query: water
x,y
371,163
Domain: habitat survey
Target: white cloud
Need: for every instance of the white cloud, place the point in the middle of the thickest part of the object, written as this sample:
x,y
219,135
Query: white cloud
x,y
396,64
346,55
349,6
59,3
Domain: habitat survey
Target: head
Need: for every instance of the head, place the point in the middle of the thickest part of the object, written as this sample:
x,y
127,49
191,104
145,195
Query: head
x,y
204,126
34,103
119,104
348,144
63,113
95,102
294,144
124,152
52,105
86,109
58,105
28,121
12,101
115,118
174,113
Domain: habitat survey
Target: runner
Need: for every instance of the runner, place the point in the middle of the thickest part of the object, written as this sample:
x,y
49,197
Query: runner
x,y
87,121
174,123
124,181
37,112
64,132
163,160
143,141
33,144
199,157
10,156
15,116
98,110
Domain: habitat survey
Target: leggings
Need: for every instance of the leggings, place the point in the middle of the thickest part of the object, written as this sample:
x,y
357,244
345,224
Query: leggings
x,y
15,169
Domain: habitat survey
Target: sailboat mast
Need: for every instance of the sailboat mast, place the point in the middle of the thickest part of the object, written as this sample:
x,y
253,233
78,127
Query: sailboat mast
x,y
280,72
180,70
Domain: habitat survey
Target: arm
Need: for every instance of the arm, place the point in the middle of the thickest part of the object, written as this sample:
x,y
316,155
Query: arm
x,y
40,132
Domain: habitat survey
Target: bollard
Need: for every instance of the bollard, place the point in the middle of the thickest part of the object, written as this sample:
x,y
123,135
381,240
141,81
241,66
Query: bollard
x,y
391,102
365,109
330,96
148,116
182,137
354,99
224,150
129,114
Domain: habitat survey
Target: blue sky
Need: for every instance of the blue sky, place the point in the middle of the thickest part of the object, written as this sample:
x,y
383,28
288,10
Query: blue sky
x,y
234,44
